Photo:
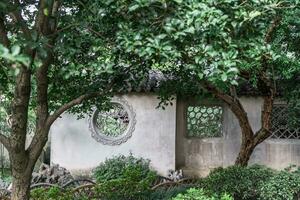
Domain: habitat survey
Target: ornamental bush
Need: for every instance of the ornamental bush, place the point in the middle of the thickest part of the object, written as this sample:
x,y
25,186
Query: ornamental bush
x,y
124,177
282,186
241,182
167,194
200,194
133,184
116,167
53,193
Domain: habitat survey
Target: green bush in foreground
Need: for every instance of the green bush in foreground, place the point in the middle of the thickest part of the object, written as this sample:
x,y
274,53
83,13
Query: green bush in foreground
x,y
282,186
241,182
235,182
167,194
132,185
53,193
124,177
116,167
252,183
199,194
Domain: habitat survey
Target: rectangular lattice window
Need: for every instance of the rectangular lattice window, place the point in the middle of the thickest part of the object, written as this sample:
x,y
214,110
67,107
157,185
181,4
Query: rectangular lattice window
x,y
204,121
280,125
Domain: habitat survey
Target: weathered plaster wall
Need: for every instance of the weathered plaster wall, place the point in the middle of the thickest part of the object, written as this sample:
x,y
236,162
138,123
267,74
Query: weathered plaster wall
x,y
199,156
156,133
154,138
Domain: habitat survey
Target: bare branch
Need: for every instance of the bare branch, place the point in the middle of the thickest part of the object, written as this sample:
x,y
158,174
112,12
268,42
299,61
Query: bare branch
x,y
69,105
95,32
40,138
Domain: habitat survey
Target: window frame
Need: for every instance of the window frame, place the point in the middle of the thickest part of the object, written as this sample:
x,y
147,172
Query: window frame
x,y
274,139
122,138
208,103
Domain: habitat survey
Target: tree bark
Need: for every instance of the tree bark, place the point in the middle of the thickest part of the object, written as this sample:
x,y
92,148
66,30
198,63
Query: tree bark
x,y
249,139
245,153
21,184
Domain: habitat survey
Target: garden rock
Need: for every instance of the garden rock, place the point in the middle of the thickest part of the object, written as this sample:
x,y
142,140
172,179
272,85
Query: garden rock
x,y
52,174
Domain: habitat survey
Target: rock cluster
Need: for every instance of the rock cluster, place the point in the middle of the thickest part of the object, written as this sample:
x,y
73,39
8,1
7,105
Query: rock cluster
x,y
51,174
175,175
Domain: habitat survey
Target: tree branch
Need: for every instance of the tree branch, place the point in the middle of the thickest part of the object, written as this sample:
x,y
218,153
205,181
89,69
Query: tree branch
x,y
266,115
271,29
40,139
20,105
236,107
69,105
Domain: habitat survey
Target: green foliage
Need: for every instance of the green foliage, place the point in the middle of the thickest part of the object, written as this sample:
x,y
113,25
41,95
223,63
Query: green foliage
x,y
53,193
253,182
224,43
124,177
282,186
240,182
82,50
132,186
200,194
167,194
118,166
13,55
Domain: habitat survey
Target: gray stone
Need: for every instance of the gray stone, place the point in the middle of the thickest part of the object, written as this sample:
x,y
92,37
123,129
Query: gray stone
x,y
52,174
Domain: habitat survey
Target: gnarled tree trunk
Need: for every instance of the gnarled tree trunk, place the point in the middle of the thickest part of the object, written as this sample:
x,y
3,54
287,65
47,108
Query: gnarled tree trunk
x,y
250,139
21,185
246,151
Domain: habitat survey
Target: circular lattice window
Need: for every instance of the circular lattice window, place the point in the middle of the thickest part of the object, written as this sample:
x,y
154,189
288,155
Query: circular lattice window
x,y
114,126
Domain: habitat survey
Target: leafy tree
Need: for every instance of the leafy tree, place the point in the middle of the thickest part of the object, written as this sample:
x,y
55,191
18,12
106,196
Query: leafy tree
x,y
215,47
55,56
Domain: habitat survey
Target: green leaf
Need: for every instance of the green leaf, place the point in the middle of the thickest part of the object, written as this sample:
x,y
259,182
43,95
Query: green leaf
x,y
133,7
224,77
46,11
200,75
233,69
254,14
190,30
234,82
178,1
15,50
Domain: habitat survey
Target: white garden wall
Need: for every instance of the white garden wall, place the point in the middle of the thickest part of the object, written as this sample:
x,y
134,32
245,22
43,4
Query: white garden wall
x,y
153,138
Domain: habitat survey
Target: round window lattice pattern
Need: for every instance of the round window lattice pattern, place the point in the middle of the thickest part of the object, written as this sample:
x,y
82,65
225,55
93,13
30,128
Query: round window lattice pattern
x,y
114,126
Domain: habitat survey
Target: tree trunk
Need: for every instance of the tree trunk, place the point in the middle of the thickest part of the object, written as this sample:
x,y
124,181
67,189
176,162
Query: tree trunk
x,y
250,140
21,178
21,185
245,154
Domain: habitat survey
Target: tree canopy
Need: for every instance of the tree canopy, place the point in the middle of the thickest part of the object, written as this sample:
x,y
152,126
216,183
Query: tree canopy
x,y
213,45
216,46
68,55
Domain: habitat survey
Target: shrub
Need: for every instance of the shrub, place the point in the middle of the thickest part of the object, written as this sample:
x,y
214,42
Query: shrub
x,y
124,178
53,193
132,185
167,194
241,182
115,167
282,186
199,194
